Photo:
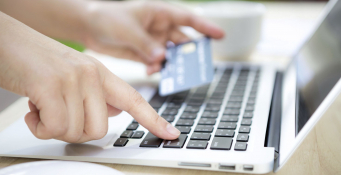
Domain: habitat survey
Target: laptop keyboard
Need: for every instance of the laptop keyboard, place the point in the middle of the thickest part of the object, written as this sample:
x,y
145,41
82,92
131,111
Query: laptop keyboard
x,y
219,114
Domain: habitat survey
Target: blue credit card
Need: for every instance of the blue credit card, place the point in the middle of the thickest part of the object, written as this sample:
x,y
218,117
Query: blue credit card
x,y
187,65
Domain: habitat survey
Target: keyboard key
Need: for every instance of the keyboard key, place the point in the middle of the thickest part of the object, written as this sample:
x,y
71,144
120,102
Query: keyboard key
x,y
248,115
138,135
246,122
224,133
170,112
207,114
217,96
184,129
221,85
202,98
253,95
221,143
194,144
133,126
249,108
121,142
215,101
243,137
183,93
244,129
243,78
199,100
174,105
195,103
206,121
251,102
126,134
238,93
199,95
201,91
231,111
240,146
225,79
213,108
204,128
177,100
185,122
240,88
252,98
235,99
241,83
157,101
177,143
188,116
233,105
229,118
168,118
218,90
151,141
227,125
192,109
228,71
200,136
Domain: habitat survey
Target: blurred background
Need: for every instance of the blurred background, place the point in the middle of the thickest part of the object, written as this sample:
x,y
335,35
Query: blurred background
x,y
281,17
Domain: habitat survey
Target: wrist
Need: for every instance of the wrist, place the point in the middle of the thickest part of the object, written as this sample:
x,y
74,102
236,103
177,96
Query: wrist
x,y
90,12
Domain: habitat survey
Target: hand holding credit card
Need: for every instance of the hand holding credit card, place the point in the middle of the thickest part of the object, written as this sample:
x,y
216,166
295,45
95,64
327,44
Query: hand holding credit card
x,y
187,65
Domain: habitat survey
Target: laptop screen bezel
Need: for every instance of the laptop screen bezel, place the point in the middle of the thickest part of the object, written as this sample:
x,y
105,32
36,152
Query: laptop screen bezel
x,y
289,141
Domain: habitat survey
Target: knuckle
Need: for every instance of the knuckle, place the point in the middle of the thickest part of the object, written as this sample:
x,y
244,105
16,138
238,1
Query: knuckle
x,y
56,130
90,69
136,99
74,137
98,134
51,79
42,135
156,119
70,76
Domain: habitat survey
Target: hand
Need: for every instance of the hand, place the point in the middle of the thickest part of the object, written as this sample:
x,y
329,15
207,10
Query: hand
x,y
71,94
140,30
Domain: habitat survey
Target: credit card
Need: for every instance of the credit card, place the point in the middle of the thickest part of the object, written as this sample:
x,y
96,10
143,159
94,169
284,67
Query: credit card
x,y
187,65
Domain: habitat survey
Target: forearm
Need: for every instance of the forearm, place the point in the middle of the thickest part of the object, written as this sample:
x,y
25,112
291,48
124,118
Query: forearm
x,y
19,47
62,19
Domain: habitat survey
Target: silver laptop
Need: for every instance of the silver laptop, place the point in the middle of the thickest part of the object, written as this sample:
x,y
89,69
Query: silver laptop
x,y
250,119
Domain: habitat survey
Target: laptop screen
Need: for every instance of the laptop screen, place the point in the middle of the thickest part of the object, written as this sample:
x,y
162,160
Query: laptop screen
x,y
318,66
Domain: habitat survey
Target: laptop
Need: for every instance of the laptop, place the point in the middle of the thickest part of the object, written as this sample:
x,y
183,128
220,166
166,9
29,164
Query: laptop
x,y
250,119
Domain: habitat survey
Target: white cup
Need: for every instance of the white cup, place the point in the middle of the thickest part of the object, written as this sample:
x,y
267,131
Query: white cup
x,y
242,23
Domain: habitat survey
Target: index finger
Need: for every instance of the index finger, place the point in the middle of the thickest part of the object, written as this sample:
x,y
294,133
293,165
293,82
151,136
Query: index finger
x,y
183,17
122,96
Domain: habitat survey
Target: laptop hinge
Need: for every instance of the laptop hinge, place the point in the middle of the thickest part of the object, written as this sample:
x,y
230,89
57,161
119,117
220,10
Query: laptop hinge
x,y
274,122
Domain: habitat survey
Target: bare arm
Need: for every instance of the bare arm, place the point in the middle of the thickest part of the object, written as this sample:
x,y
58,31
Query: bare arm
x,y
133,30
63,19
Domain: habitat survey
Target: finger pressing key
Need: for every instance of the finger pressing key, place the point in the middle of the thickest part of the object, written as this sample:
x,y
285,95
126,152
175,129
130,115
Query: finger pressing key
x,y
122,96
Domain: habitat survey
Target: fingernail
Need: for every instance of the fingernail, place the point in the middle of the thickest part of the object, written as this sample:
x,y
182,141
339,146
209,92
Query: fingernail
x,y
172,130
157,53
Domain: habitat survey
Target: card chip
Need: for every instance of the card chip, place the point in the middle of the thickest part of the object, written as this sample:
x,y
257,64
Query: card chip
x,y
188,48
